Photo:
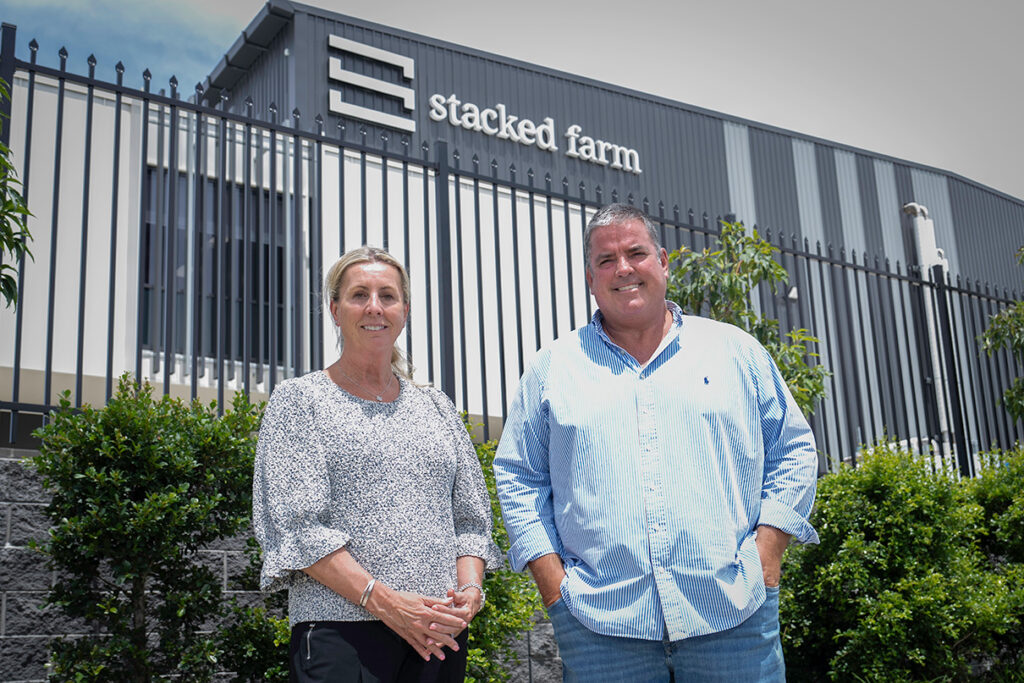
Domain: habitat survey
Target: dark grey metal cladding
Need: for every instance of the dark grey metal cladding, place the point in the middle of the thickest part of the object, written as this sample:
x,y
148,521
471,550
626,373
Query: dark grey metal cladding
x,y
828,186
779,178
681,152
874,244
772,166
989,232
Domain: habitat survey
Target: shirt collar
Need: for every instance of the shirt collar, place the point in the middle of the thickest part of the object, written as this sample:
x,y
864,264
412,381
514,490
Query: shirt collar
x,y
597,323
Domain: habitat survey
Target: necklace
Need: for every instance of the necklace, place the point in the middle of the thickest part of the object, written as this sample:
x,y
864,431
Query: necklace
x,y
380,396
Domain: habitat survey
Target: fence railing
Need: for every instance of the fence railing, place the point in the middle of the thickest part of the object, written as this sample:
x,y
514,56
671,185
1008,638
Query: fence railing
x,y
186,245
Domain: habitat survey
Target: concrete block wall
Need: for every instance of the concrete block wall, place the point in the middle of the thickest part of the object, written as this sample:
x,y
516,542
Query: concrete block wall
x,y
26,629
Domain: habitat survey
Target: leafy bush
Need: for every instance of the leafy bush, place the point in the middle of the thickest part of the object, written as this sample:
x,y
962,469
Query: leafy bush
x,y
255,639
512,598
138,488
999,491
720,282
898,589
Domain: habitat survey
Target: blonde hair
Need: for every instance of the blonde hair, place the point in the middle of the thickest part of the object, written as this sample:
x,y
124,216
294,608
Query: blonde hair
x,y
400,365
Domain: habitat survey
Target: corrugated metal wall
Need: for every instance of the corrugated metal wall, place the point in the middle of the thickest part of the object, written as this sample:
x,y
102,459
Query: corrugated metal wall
x,y
690,158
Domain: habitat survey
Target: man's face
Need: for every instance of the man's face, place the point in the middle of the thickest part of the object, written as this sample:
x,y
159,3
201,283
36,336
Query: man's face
x,y
627,274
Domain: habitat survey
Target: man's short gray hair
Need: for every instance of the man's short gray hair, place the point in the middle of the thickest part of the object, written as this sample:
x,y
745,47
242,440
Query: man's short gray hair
x,y
613,214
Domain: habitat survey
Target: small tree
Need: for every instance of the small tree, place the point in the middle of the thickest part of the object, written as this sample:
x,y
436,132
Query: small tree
x,y
13,220
138,488
1006,331
720,282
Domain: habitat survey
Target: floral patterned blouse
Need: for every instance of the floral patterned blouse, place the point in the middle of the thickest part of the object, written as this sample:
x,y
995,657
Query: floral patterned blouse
x,y
398,484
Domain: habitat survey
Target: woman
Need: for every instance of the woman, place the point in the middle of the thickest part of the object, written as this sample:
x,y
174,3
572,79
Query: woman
x,y
369,502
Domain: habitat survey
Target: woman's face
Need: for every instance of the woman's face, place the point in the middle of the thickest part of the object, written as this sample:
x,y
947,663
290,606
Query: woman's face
x,y
369,307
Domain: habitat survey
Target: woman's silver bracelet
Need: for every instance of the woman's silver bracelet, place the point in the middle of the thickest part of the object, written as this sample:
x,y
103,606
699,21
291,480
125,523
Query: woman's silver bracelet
x,y
473,584
366,593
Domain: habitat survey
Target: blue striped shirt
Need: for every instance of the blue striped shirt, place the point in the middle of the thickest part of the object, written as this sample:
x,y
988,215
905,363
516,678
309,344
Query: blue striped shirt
x,y
650,480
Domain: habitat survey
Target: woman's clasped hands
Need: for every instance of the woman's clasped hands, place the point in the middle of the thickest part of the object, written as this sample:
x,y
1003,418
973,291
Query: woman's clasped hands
x,y
427,624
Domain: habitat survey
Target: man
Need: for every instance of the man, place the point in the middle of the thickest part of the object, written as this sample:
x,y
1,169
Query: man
x,y
651,473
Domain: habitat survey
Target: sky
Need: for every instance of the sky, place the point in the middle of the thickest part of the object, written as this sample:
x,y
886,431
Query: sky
x,y
929,81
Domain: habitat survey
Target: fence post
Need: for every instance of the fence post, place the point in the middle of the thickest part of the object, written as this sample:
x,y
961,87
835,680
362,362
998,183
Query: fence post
x,y
945,325
446,324
7,74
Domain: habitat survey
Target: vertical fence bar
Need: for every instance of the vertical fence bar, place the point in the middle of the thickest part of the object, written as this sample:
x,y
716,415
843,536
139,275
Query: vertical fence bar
x,y
957,306
1001,381
221,258
531,196
362,188
248,242
33,46
500,291
112,277
266,278
55,212
481,331
942,289
341,187
516,268
170,256
405,242
884,303
862,322
298,368
841,292
316,250
8,33
425,148
821,414
157,235
457,178
143,231
446,322
84,250
977,380
199,232
235,205
384,203
583,235
822,265
568,253
551,256
919,406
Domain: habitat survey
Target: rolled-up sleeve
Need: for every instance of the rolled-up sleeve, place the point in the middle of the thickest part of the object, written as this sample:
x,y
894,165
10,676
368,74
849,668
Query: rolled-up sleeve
x,y
471,504
291,490
522,473
790,456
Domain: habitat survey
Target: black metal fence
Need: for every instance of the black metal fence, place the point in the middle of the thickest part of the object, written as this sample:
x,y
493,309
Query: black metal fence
x,y
186,245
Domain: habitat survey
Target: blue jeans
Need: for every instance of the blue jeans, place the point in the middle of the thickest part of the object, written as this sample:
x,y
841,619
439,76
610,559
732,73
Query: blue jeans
x,y
748,653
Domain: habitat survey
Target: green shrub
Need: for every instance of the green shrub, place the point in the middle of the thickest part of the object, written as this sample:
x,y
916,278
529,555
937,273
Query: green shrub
x,y
999,491
898,589
255,639
138,488
512,598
